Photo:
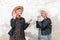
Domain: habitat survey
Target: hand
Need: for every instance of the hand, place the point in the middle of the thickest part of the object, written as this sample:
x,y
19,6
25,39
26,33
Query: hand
x,y
30,20
38,18
14,16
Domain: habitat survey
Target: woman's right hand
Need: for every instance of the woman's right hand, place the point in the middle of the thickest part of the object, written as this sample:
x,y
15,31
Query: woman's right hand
x,y
29,21
14,16
38,18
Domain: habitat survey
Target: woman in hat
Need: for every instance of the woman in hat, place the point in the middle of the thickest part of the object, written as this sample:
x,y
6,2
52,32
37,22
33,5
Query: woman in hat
x,y
18,24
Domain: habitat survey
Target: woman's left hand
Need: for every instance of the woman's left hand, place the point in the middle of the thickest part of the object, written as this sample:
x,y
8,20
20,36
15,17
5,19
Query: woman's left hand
x,y
30,20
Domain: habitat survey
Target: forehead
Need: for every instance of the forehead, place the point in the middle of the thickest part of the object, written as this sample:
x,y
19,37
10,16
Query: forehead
x,y
18,9
43,11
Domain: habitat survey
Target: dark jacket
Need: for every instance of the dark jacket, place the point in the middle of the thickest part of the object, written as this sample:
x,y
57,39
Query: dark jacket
x,y
45,26
23,25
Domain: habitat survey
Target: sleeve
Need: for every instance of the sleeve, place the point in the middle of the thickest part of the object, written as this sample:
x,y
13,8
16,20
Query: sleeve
x,y
25,24
37,24
12,23
44,24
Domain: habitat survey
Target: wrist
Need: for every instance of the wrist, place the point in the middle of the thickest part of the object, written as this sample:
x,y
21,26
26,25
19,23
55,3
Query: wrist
x,y
14,17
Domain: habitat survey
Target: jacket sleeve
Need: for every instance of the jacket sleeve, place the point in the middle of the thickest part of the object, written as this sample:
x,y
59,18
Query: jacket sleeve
x,y
43,24
25,24
12,23
37,24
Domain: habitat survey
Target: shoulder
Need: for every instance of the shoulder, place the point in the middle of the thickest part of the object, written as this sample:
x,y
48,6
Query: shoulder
x,y
22,18
12,19
48,19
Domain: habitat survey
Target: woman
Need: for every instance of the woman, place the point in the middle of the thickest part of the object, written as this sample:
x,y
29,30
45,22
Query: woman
x,y
45,26
18,24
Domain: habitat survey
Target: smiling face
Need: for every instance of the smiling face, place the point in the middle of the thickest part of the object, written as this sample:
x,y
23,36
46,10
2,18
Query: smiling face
x,y
43,14
18,13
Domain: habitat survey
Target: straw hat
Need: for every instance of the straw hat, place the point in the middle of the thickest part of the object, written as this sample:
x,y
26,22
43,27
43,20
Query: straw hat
x,y
16,8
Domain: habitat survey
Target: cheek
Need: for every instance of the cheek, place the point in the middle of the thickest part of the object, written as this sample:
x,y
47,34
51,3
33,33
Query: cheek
x,y
18,12
42,15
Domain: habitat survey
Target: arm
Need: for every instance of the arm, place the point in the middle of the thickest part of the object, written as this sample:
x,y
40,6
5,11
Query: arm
x,y
37,24
12,23
44,23
26,25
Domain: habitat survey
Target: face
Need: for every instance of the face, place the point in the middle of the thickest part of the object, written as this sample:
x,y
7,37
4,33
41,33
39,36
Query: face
x,y
19,12
43,13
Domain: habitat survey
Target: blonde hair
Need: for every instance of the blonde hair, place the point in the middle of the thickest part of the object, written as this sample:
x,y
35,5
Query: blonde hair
x,y
47,12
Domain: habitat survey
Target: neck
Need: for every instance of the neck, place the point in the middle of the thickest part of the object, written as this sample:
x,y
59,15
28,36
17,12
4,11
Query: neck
x,y
18,16
45,17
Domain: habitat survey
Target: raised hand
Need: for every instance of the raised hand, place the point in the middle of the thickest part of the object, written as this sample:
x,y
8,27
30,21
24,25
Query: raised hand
x,y
30,20
14,15
38,18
